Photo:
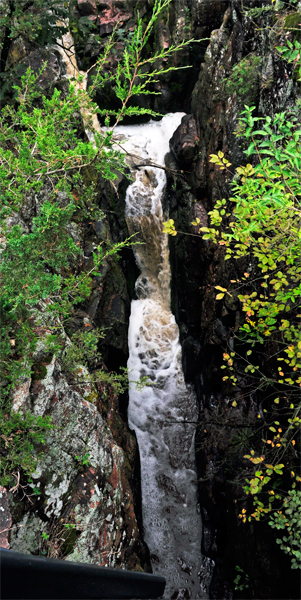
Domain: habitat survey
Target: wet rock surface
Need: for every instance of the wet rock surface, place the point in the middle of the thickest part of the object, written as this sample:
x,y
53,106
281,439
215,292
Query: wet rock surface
x,y
5,518
184,142
206,325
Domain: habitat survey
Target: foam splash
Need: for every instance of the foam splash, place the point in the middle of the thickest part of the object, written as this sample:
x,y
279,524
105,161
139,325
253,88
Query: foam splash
x,y
163,414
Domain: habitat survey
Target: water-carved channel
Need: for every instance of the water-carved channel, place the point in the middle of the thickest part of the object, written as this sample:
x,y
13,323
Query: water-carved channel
x,y
163,413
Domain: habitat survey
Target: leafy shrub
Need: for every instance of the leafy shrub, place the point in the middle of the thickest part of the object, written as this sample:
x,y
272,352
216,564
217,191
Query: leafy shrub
x,y
244,78
20,435
262,222
289,519
265,225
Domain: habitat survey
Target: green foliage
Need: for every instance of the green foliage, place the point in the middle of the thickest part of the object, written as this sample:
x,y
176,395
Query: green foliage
x,y
39,143
83,350
256,12
289,519
265,226
291,53
241,580
292,21
84,462
20,435
265,222
169,227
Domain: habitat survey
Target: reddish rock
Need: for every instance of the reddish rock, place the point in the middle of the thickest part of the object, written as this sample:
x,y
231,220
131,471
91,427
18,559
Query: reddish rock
x,y
109,18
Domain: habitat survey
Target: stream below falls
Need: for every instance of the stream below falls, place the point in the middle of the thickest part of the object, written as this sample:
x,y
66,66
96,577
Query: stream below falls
x,y
164,412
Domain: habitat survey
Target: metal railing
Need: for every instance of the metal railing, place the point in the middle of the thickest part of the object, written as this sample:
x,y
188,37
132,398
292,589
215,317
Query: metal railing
x,y
24,576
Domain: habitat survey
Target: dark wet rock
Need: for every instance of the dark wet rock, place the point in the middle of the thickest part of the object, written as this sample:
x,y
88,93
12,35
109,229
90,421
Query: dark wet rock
x,y
113,313
87,7
38,59
191,358
208,326
47,62
5,518
184,142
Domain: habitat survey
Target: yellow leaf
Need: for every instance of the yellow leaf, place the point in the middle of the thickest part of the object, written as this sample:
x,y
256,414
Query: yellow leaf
x,y
219,296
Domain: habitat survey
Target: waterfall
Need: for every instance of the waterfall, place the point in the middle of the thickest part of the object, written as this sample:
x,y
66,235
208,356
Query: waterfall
x,y
163,413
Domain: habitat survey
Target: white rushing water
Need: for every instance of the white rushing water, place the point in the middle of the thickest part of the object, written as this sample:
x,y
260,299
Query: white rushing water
x,y
164,412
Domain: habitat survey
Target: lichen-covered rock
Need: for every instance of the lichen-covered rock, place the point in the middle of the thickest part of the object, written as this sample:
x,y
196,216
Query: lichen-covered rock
x,y
80,486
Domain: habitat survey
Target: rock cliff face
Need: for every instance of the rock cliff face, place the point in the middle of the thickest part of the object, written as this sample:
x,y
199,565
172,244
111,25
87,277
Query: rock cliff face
x,y
79,503
93,495
241,45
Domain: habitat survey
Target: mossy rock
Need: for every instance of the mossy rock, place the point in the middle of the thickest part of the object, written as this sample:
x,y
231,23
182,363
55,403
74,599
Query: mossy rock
x,y
39,369
292,21
244,79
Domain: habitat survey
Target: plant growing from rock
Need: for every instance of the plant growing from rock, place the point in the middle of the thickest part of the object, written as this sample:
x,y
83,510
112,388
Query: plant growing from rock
x,y
261,222
244,78
19,434
289,520
265,225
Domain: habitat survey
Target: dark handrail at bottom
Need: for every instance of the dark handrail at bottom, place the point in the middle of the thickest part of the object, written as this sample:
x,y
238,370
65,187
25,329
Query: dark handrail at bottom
x,y
24,576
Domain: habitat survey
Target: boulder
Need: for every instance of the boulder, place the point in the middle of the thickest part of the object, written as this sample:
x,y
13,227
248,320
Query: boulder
x,y
184,142
82,494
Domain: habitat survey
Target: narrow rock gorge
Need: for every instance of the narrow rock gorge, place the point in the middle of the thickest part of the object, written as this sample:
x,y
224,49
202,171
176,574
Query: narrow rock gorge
x,y
150,478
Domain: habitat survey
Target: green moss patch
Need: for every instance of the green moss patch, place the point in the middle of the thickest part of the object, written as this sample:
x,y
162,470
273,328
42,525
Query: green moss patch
x,y
244,78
